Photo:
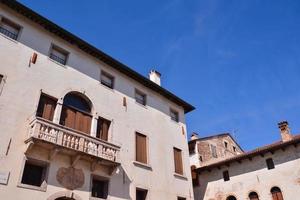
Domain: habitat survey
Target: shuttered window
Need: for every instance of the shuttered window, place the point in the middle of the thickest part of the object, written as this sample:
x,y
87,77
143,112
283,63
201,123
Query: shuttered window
x,y
178,161
141,148
46,107
9,28
276,193
102,128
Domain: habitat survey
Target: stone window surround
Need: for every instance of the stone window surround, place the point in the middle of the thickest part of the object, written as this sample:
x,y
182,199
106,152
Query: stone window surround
x,y
58,110
44,185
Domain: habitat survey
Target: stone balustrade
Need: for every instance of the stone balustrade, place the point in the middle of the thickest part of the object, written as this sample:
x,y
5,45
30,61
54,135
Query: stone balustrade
x,y
61,136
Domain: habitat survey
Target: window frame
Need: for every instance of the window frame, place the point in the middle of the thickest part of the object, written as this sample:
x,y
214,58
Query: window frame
x,y
270,163
139,92
99,178
226,175
147,148
109,76
143,190
173,111
182,164
62,51
18,26
37,162
39,101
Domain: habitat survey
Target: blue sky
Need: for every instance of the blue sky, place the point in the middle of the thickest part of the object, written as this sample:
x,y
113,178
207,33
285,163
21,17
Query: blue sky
x,y
237,61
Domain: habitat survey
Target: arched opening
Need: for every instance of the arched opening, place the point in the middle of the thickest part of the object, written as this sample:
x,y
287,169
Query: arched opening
x,y
253,196
231,198
276,193
76,112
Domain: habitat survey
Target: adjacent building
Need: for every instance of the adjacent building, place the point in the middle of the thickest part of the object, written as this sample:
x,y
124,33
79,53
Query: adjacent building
x,y
267,173
77,124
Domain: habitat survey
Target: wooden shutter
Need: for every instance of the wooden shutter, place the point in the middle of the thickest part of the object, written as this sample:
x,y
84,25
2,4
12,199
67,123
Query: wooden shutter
x,y
277,195
46,107
141,148
103,128
178,161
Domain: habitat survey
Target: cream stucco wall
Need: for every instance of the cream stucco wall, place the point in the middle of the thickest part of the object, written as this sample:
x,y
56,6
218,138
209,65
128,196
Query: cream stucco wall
x,y
19,100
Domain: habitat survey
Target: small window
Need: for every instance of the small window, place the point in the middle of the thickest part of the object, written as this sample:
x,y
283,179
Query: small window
x,y
192,146
231,198
226,175
178,161
9,28
141,148
213,151
107,79
195,177
46,107
226,145
174,115
234,149
102,129
58,54
1,78
201,158
141,194
100,188
34,173
270,163
140,97
253,196
181,198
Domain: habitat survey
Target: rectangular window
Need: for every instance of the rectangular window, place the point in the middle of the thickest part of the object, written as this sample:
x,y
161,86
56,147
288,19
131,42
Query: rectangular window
x,y
201,158
192,147
270,163
58,54
34,174
102,128
141,194
46,107
226,145
141,148
226,176
9,28
100,188
174,115
181,198
234,149
107,80
213,151
140,97
178,161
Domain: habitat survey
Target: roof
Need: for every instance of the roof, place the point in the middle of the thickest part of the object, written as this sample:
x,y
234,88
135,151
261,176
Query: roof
x,y
215,136
256,152
93,51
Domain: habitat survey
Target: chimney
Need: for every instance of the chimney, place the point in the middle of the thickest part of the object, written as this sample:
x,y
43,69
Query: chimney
x,y
194,136
285,131
154,76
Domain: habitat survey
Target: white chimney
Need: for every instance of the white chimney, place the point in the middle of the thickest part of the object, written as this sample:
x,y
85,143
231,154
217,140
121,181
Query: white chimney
x,y
154,76
285,131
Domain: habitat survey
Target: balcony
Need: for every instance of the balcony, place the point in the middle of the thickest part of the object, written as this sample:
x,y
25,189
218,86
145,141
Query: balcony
x,y
58,138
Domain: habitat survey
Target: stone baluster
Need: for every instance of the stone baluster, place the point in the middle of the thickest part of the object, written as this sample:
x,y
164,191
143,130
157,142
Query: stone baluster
x,y
81,144
59,138
36,130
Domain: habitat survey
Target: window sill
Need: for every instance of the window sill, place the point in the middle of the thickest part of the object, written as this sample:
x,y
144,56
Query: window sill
x,y
42,188
142,165
13,40
58,63
180,176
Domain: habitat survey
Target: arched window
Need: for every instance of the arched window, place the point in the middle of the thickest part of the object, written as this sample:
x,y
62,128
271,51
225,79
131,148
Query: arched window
x,y
253,196
76,112
276,193
231,198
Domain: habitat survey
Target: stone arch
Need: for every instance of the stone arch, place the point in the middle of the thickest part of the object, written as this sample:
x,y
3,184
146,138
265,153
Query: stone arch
x,y
64,195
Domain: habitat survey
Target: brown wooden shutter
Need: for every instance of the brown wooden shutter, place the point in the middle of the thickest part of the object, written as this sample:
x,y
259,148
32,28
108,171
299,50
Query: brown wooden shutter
x,y
178,161
103,128
46,107
70,117
141,148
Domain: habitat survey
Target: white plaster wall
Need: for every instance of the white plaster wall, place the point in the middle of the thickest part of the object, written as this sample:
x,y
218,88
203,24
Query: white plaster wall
x,y
254,176
19,100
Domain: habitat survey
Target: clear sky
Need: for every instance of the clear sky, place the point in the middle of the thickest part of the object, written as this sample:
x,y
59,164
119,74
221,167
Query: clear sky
x,y
237,61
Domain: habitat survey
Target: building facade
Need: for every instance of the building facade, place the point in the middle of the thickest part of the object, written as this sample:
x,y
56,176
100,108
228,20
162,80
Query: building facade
x,y
77,124
268,173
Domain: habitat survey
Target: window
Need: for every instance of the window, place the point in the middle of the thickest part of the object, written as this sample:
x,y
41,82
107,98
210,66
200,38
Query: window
x,y
58,54
226,175
1,78
178,161
253,196
181,198
102,128
76,111
201,158
141,194
140,97
174,115
276,193
107,79
192,146
141,148
46,107
99,187
213,151
231,198
34,173
270,163
9,28
234,149
226,145
194,176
